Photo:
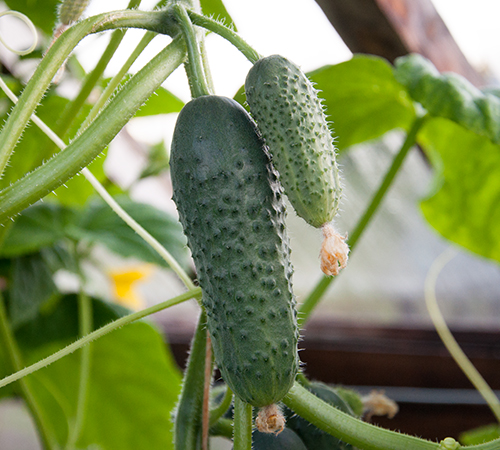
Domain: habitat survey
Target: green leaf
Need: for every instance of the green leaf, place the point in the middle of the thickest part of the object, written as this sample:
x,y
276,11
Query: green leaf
x,y
133,386
39,226
363,99
450,96
161,102
100,224
465,203
31,285
480,435
43,13
217,10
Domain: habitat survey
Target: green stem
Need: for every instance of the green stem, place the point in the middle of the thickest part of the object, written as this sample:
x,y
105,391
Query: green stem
x,y
349,429
194,65
223,427
85,325
47,435
217,412
188,418
157,21
122,321
225,32
90,143
319,290
447,337
242,427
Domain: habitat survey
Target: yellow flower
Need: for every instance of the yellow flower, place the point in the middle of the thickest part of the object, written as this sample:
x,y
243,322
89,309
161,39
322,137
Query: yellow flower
x,y
124,281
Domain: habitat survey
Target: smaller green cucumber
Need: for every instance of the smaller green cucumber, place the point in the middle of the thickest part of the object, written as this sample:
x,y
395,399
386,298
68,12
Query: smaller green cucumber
x,y
290,117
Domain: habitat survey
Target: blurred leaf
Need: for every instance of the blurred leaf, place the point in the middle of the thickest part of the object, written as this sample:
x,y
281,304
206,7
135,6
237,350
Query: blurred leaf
x,y
450,96
43,13
161,102
217,10
100,224
158,161
133,386
480,435
31,285
363,99
40,225
465,203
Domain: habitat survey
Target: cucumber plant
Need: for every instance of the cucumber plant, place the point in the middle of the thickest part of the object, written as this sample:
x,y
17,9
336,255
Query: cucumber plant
x,y
228,175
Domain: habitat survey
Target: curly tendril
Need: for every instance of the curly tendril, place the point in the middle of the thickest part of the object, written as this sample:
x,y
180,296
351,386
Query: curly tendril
x,y
29,24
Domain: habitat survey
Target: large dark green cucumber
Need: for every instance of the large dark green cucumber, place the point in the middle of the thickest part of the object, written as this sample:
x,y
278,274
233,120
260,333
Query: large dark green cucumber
x,y
232,211
290,117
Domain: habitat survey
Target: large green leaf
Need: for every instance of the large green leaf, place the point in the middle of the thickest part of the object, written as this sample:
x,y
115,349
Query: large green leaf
x,y
39,226
100,224
363,99
465,204
43,13
450,96
133,385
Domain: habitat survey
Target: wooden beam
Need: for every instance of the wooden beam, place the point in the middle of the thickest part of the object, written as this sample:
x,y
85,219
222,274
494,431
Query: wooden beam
x,y
392,28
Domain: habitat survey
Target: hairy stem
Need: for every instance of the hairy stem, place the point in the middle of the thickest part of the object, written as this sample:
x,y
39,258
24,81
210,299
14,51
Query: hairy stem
x,y
122,321
206,393
319,290
242,428
347,428
188,419
194,65
228,34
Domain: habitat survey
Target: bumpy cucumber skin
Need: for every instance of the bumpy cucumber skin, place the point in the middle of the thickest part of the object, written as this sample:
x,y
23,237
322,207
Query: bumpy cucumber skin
x,y
290,117
231,208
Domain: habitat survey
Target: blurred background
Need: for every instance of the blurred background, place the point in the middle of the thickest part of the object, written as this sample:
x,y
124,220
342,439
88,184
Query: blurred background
x,y
372,329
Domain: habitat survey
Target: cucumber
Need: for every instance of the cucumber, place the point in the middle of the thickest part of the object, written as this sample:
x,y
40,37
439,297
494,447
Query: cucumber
x,y
290,117
231,208
286,440
314,438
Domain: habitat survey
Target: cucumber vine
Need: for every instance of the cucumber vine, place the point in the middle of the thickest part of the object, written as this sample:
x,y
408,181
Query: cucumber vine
x,y
254,342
